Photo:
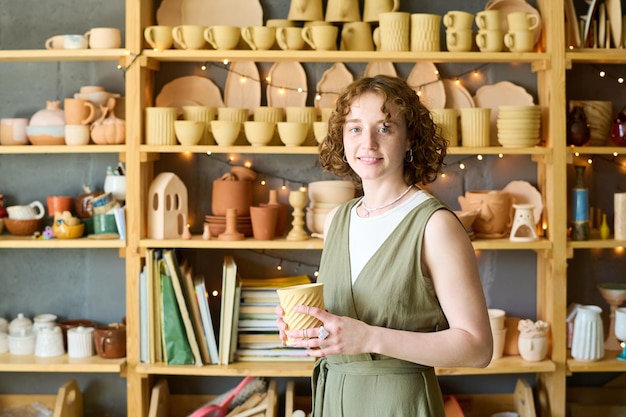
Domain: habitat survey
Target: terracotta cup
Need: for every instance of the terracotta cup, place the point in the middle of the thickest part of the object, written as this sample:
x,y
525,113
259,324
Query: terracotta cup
x,y
110,341
59,204
104,38
159,37
305,294
264,220
13,131
78,111
189,36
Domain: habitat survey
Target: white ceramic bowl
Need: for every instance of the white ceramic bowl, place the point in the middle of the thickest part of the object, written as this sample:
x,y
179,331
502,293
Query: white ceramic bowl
x,y
189,132
259,133
293,133
225,132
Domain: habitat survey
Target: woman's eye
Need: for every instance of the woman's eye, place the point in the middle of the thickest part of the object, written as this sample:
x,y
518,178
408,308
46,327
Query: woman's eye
x,y
384,129
354,130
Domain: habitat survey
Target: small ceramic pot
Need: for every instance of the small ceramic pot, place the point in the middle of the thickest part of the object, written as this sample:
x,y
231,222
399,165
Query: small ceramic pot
x,y
533,348
22,342
110,341
80,342
49,342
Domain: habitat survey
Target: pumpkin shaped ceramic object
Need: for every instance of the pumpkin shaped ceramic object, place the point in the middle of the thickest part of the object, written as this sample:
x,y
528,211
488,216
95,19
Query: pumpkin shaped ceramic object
x,y
108,129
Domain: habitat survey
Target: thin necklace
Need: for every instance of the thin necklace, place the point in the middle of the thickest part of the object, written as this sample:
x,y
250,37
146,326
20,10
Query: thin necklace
x,y
391,203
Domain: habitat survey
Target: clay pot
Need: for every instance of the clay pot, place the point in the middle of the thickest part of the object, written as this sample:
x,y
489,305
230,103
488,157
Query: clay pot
x,y
496,212
533,348
578,131
264,222
282,216
229,193
110,341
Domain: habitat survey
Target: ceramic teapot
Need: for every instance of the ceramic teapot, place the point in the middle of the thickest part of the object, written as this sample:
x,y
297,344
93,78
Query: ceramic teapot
x,y
496,212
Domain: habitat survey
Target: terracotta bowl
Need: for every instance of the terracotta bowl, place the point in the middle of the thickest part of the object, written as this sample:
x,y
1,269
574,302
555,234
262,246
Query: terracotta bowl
x,y
23,227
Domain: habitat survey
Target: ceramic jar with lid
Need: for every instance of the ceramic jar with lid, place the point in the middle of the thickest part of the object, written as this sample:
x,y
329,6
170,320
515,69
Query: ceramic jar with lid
x,y
49,342
20,323
80,342
43,321
22,342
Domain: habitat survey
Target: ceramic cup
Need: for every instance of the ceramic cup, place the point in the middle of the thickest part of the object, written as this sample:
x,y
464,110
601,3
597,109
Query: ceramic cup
x,y
104,38
321,38
305,11
49,342
447,121
489,19
116,185
520,40
13,131
289,38
305,294
263,220
459,40
280,23
189,36
475,125
75,42
236,114
202,114
77,135
490,40
499,336
59,204
259,133
104,224
222,36
496,318
159,37
259,38
357,36
110,341
373,8
519,21
268,114
392,34
425,32
225,132
189,132
78,111
34,210
293,133
160,125
80,342
320,130
458,19
55,42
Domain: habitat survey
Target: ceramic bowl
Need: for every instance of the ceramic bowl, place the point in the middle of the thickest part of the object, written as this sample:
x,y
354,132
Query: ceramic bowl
x,y
259,133
320,130
293,133
331,191
23,227
46,135
65,231
225,132
188,132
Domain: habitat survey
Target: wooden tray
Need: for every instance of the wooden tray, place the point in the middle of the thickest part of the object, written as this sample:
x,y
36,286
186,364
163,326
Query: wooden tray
x,y
68,402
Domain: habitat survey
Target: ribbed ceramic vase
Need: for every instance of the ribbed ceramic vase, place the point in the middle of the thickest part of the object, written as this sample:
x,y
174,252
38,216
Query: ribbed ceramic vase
x,y
588,338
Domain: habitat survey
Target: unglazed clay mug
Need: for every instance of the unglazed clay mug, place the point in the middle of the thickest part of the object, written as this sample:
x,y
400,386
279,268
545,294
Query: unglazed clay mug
x,y
392,34
259,38
321,37
189,36
13,131
490,40
222,36
110,341
459,40
104,38
425,32
357,36
159,37
458,19
522,21
520,40
489,19
289,38
78,111
373,8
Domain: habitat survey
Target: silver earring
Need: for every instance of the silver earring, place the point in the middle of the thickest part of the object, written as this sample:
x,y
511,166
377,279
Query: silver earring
x,y
409,156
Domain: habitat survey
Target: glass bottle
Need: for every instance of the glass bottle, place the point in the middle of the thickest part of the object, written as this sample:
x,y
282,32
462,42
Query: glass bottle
x,y
580,207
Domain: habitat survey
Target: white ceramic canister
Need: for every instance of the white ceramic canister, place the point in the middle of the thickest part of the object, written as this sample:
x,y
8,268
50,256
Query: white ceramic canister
x,y
4,325
20,322
588,338
80,342
4,342
22,342
49,342
43,321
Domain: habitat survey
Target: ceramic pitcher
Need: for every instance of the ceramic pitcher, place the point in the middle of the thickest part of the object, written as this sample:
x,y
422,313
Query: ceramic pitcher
x,y
372,8
588,338
305,10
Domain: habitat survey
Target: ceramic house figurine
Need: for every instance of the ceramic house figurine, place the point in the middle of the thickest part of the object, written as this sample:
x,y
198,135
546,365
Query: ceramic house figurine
x,y
167,207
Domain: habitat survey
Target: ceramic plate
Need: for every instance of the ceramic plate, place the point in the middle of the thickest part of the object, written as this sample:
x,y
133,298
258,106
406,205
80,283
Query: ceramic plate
x,y
285,78
424,79
381,67
501,94
240,13
525,193
457,96
334,79
614,12
510,6
191,90
243,86
571,25
591,12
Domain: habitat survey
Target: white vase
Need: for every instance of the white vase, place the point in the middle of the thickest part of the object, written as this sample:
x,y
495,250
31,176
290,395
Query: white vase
x,y
588,339
533,348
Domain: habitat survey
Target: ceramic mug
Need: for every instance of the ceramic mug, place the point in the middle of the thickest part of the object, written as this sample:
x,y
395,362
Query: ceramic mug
x,y
104,224
520,40
189,36
489,19
373,8
104,38
490,40
522,21
160,125
392,34
290,38
259,38
75,42
280,23
222,36
159,37
321,38
357,36
34,210
13,131
55,42
475,126
458,19
425,32
110,341
202,114
459,40
78,111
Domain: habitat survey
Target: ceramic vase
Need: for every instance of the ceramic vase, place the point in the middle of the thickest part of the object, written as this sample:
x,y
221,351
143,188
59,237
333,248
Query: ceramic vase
x,y
588,339
532,347
231,194
580,207
578,131
282,217
263,222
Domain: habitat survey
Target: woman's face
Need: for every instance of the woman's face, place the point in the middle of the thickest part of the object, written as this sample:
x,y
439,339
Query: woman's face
x,y
375,149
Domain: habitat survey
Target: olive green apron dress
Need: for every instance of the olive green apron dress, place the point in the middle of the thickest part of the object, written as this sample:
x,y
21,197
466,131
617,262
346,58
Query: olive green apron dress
x,y
391,292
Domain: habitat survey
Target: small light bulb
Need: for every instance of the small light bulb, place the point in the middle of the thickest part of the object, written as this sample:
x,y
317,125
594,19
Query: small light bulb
x,y
602,74
462,165
620,80
203,67
263,182
479,157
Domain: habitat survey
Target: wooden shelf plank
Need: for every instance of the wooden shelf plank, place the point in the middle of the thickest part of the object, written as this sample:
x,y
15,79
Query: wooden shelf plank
x,y
596,150
597,56
596,244
31,149
32,363
607,364
27,242
52,55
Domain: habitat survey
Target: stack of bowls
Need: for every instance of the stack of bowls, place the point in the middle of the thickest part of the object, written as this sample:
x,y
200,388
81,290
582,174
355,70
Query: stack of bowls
x,y
323,197
518,126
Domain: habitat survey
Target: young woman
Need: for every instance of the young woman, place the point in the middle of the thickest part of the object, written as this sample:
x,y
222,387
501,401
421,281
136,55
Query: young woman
x,y
401,286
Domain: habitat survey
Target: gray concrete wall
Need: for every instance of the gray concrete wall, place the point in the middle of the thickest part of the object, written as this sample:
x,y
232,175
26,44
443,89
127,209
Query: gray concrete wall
x,y
90,283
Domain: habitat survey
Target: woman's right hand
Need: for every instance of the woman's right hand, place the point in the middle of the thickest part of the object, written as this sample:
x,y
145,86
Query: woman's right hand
x,y
282,326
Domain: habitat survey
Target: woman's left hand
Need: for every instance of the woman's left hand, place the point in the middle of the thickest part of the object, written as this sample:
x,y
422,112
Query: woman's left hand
x,y
337,335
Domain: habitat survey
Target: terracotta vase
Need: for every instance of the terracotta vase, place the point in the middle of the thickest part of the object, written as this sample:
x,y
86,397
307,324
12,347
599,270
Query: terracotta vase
x,y
282,216
263,222
496,211
229,193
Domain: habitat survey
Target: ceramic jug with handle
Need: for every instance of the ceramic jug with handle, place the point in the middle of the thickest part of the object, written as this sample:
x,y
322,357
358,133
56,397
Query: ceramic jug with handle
x,y
343,11
372,8
588,337
305,10
34,210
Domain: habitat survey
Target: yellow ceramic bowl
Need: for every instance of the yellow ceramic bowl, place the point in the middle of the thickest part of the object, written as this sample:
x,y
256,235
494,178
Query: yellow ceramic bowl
x,y
63,231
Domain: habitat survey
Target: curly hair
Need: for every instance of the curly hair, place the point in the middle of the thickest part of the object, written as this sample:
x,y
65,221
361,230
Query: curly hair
x,y
429,148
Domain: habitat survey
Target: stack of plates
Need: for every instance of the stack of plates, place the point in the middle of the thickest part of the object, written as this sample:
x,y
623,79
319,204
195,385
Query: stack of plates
x,y
217,225
518,126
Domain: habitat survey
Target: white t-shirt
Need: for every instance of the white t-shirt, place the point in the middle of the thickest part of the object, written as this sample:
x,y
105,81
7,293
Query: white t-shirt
x,y
367,234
